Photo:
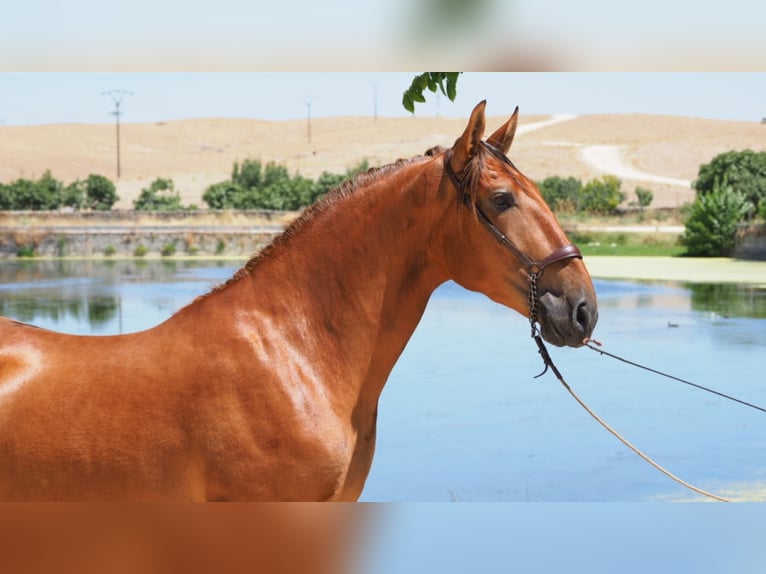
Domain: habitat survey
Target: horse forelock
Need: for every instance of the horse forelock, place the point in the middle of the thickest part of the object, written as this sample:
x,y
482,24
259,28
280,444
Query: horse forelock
x,y
472,175
476,168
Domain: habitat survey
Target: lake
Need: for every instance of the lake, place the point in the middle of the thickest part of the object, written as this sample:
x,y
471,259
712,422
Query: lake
x,y
462,417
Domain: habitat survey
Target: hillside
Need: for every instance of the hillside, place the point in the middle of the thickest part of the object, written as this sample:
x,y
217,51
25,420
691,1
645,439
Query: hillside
x,y
662,153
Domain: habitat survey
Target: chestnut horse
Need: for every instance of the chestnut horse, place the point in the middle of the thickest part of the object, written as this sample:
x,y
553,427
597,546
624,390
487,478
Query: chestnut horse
x,y
267,387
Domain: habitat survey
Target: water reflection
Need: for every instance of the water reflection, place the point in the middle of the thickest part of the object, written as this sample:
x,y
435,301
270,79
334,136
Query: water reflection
x,y
91,293
461,417
103,297
729,300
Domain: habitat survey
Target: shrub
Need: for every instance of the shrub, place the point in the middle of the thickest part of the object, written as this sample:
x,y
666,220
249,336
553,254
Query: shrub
x,y
561,194
6,199
45,193
254,186
644,198
601,196
74,195
712,224
100,193
161,195
744,171
224,195
96,192
25,251
140,250
110,250
168,249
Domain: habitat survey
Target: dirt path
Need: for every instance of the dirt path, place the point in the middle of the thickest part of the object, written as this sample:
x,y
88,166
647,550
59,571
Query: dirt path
x,y
554,119
610,159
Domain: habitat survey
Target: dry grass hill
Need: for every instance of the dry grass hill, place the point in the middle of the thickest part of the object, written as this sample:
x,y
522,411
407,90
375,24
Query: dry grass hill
x,y
198,152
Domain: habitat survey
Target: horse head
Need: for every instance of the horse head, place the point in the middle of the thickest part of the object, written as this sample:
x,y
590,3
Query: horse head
x,y
510,245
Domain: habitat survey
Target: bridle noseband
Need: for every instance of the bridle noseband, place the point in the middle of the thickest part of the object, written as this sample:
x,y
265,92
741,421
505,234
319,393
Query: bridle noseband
x,y
533,268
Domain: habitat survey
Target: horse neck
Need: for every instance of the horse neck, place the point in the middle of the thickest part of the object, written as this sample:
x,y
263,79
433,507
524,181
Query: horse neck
x,y
354,281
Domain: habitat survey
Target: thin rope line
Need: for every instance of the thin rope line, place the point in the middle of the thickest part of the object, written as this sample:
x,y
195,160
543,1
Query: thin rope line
x,y
549,363
679,379
640,453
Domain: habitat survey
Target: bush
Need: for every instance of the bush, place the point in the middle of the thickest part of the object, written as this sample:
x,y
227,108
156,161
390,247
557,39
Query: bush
x,y
644,197
26,251
601,196
96,192
168,249
712,224
224,195
561,194
744,171
161,195
6,199
45,193
254,186
140,251
100,193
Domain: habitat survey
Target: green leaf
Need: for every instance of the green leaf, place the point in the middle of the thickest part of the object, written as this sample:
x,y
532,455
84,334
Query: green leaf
x,y
446,82
452,85
407,102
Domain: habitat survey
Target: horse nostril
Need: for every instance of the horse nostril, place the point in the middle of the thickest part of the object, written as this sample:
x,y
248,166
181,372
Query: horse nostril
x,y
584,317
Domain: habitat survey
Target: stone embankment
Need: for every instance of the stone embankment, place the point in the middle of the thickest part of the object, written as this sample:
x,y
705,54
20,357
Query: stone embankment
x,y
127,233
213,233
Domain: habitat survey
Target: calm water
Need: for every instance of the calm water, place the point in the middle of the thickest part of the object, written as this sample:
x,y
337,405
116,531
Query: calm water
x,y
462,417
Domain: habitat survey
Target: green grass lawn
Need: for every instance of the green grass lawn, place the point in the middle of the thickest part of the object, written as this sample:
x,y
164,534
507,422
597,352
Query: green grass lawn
x,y
624,243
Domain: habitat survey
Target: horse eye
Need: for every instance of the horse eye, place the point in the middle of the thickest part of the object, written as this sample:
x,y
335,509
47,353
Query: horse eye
x,y
503,200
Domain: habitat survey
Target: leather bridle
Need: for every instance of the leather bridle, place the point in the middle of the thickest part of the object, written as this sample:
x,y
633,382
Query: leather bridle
x,y
533,268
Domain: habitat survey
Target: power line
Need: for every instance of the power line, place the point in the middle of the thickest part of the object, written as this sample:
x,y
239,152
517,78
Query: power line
x,y
117,96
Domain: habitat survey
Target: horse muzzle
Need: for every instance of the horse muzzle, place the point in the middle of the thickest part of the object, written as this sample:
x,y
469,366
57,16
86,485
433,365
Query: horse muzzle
x,y
567,320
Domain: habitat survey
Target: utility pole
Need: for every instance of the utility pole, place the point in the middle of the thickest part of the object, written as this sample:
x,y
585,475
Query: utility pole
x,y
117,96
308,119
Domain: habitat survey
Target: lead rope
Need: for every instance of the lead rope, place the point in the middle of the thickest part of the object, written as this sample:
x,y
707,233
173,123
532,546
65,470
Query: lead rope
x,y
548,361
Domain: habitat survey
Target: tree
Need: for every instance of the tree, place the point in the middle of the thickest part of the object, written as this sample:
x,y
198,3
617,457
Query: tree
x,y
74,195
254,186
561,194
45,193
96,192
161,195
223,195
644,197
6,199
744,171
712,225
602,196
100,193
446,82
50,192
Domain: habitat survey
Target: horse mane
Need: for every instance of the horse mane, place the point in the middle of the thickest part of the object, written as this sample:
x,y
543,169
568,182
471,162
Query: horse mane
x,y
322,205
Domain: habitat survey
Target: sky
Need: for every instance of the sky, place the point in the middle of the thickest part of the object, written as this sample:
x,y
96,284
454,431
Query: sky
x,y
79,97
234,35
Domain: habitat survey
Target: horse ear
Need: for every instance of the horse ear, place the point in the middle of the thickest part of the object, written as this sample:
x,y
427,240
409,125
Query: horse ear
x,y
466,145
503,138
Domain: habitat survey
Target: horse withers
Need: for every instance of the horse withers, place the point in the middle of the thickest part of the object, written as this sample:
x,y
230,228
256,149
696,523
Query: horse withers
x,y
267,387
